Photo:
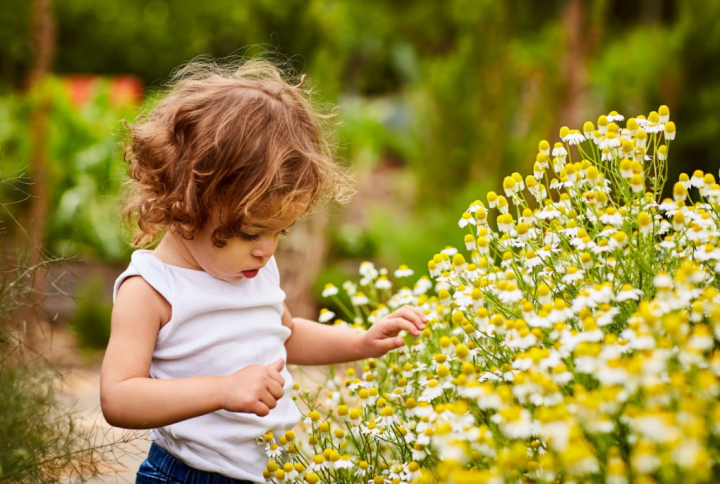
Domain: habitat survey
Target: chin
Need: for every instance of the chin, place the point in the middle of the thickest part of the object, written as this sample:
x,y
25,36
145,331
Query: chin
x,y
228,277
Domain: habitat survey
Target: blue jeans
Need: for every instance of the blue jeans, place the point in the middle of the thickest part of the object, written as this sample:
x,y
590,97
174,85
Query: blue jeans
x,y
161,467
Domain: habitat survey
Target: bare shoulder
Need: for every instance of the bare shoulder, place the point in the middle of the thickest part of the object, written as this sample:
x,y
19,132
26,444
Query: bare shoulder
x,y
138,314
135,294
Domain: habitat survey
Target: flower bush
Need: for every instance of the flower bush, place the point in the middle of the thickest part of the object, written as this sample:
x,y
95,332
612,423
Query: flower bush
x,y
576,341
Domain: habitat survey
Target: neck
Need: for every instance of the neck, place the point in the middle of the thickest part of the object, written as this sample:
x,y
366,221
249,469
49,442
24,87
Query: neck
x,y
171,250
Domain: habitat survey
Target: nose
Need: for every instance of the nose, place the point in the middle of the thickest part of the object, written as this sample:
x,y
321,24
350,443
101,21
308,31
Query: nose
x,y
264,249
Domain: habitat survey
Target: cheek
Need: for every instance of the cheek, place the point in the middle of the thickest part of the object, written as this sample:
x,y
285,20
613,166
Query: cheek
x,y
235,250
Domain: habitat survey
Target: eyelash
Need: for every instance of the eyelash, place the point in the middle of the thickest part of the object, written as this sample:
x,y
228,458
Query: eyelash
x,y
253,237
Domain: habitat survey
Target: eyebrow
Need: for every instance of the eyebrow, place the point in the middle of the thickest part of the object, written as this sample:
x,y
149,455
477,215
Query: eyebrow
x,y
256,226
264,227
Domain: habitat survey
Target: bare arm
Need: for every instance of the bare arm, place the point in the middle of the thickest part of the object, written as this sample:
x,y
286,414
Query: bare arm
x,y
313,343
131,399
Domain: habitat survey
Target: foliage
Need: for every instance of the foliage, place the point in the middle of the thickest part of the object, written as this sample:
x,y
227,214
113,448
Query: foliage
x,y
42,441
577,340
39,444
83,163
91,320
470,82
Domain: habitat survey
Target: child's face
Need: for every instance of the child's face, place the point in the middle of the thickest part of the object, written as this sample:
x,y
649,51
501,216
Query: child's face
x,y
243,256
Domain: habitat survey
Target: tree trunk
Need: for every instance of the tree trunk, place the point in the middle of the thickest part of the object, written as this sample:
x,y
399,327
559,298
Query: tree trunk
x,y
574,64
300,259
31,235
42,35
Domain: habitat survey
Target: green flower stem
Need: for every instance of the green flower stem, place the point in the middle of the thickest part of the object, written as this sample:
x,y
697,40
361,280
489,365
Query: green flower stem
x,y
349,314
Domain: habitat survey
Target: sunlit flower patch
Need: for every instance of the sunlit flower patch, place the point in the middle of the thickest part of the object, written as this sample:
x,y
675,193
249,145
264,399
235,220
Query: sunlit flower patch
x,y
573,335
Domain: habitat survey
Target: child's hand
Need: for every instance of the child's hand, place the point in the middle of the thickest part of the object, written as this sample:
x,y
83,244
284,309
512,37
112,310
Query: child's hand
x,y
382,335
254,389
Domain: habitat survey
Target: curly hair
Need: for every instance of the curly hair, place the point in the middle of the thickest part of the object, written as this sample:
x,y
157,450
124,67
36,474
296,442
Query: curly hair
x,y
225,143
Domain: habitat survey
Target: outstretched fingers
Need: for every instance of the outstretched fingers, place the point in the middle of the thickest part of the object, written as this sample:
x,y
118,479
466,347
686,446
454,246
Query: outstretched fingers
x,y
414,315
395,325
389,344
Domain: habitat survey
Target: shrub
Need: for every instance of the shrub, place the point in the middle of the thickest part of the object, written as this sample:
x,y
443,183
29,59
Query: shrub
x,y
41,440
91,321
574,341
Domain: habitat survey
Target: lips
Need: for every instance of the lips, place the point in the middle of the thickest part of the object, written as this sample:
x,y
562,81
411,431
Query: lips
x,y
250,274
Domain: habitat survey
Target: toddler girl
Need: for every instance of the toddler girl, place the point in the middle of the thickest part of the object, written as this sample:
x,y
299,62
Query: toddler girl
x,y
221,168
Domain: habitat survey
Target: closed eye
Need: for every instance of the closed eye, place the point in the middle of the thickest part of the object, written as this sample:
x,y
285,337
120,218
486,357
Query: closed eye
x,y
253,237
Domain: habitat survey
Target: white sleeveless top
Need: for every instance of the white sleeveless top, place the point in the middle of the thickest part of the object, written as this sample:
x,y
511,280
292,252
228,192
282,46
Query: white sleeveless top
x,y
217,328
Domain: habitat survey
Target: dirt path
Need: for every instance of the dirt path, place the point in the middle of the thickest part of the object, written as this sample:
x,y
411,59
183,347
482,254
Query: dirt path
x,y
124,449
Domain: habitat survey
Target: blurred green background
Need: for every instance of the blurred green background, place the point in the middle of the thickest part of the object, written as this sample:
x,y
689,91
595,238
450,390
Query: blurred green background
x,y
439,100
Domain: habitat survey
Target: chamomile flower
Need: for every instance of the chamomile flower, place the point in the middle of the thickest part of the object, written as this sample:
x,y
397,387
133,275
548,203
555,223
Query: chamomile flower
x,y
548,212
574,137
559,150
475,206
404,271
664,114
697,179
611,142
628,292
637,183
541,162
654,125
325,315
679,191
449,251
615,116
492,199
611,216
330,290
606,154
510,186
350,288
432,391
272,450
640,139
670,130
466,219
708,252
645,223
368,271
602,123
516,422
510,294
714,193
544,147
573,275
597,137
502,204
360,299
344,462
383,283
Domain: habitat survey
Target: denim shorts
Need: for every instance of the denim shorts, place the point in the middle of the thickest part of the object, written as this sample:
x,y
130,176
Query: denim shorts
x,y
161,467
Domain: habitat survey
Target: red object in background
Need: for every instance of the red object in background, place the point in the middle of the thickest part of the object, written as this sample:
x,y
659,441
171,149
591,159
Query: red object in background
x,y
125,90
81,88
121,89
